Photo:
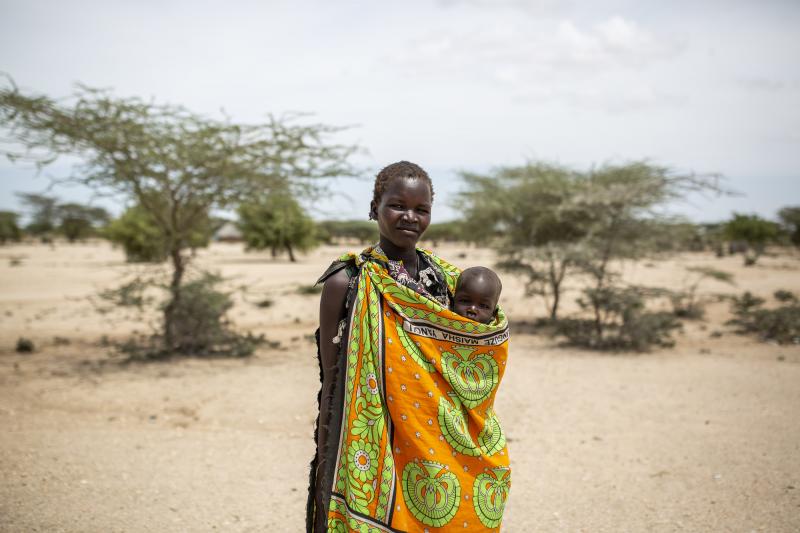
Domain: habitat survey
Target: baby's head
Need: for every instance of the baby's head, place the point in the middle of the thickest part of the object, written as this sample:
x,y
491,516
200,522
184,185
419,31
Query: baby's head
x,y
477,292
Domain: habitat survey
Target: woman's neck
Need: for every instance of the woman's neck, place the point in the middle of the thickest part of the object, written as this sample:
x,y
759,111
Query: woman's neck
x,y
407,255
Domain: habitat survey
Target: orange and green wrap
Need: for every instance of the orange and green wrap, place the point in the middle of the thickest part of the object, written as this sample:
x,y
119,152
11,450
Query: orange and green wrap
x,y
420,448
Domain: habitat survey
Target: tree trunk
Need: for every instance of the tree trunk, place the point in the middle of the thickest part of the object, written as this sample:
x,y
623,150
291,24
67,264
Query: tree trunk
x,y
171,340
554,308
556,277
291,253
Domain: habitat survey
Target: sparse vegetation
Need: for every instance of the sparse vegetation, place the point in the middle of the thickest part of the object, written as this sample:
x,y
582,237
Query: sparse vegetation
x,y
177,166
790,222
201,326
549,222
363,231
277,222
41,210
9,228
130,294
25,345
780,324
143,241
754,231
49,217
444,232
76,221
309,290
624,325
686,303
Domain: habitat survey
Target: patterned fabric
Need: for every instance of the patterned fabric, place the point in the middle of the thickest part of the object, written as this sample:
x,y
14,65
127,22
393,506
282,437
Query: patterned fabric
x,y
420,447
430,283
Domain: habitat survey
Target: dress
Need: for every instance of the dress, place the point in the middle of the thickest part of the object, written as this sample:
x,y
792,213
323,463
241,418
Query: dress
x,y
414,442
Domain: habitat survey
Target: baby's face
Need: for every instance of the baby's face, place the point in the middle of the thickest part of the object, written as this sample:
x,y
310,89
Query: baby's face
x,y
476,298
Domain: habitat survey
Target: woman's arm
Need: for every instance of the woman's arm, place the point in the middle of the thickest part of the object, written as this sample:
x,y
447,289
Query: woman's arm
x,y
331,312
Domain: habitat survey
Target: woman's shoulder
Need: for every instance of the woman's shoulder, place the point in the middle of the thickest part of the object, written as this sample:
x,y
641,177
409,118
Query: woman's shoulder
x,y
338,282
343,266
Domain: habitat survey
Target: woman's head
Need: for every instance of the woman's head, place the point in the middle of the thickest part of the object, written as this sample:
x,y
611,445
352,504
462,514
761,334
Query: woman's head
x,y
401,169
401,203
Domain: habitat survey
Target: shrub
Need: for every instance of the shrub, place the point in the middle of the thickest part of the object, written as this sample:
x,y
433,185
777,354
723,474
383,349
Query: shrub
x,y
746,303
753,230
200,325
9,228
25,345
790,220
76,221
781,324
785,296
309,290
276,221
129,294
686,303
623,323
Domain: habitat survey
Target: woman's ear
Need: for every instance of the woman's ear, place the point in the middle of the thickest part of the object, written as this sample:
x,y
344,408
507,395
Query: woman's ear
x,y
373,211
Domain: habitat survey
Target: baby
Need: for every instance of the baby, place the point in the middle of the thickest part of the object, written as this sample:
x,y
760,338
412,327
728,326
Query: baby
x,y
477,292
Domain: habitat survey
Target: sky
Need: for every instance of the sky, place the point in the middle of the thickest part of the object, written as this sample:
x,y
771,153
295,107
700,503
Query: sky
x,y
698,86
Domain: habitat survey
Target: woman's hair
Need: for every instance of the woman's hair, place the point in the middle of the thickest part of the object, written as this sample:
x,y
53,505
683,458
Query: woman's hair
x,y
401,169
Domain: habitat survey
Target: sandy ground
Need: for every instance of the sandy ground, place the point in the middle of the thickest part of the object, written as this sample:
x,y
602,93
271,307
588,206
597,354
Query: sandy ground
x,y
703,437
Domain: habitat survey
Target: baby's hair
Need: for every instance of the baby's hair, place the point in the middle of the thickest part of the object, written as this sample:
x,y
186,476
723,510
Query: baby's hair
x,y
401,169
479,272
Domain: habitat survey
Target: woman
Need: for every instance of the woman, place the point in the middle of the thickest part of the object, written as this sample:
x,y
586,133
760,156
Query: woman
x,y
407,438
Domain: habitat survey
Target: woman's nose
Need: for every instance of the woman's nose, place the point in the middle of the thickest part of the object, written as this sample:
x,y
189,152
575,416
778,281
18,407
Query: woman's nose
x,y
410,215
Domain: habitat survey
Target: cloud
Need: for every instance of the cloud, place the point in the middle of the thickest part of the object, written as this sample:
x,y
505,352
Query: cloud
x,y
536,61
769,85
615,42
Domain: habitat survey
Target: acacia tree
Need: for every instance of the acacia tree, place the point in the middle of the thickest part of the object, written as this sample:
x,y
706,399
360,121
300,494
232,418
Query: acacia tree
x,y
176,164
529,214
140,236
790,220
753,230
623,205
547,221
42,213
9,229
278,222
76,221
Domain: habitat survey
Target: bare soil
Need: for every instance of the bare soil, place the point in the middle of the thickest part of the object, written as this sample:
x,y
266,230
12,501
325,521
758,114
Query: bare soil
x,y
702,437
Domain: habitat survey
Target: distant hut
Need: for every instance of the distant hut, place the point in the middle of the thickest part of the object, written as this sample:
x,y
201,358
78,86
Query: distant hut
x,y
228,233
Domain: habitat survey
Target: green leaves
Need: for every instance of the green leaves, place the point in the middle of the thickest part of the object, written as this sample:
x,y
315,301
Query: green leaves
x,y
278,222
549,222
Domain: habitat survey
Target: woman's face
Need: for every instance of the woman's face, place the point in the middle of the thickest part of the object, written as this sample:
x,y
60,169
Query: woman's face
x,y
404,211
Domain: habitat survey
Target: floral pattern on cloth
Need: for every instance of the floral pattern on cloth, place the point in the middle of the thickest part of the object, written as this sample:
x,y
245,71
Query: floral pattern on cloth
x,y
421,447
430,283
